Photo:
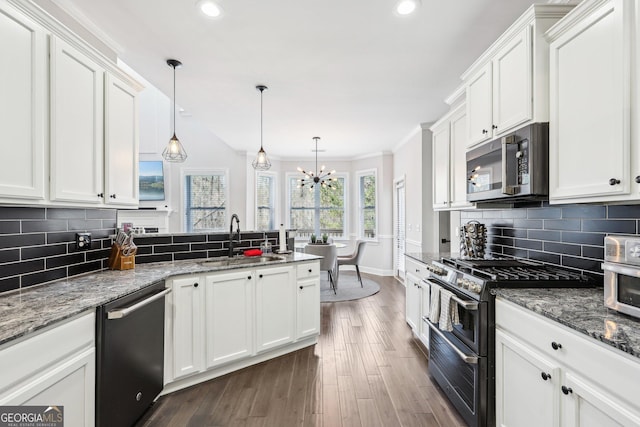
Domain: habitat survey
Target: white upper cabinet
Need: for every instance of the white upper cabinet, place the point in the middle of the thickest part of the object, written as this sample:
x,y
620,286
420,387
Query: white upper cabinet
x,y
449,163
479,109
590,144
23,106
440,165
458,161
77,88
512,100
70,116
507,87
120,142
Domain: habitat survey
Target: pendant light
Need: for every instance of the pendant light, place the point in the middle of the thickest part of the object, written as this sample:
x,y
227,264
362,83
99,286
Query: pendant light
x,y
261,163
311,179
174,151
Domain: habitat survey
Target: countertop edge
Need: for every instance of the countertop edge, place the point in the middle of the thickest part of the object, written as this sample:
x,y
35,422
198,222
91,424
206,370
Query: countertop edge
x,y
11,304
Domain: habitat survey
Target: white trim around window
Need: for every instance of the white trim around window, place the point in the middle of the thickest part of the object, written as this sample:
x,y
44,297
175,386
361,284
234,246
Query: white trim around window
x,y
183,192
360,214
274,197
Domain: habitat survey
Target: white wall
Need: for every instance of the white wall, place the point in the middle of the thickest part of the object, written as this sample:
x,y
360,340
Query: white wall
x,y
205,151
408,164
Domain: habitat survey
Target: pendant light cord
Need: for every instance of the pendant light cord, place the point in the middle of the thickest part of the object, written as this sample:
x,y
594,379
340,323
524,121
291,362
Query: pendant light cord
x,y
174,99
261,90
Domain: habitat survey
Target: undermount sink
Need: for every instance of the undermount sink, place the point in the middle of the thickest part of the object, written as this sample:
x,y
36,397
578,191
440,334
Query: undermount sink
x,y
226,261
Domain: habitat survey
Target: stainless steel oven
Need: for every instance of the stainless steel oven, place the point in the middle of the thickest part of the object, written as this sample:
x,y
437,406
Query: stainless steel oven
x,y
515,166
462,360
622,274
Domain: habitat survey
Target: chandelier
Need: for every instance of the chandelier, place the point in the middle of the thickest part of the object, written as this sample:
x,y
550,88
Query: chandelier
x,y
311,179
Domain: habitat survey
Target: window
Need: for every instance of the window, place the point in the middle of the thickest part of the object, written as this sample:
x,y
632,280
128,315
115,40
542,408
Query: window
x,y
206,201
319,211
265,201
367,202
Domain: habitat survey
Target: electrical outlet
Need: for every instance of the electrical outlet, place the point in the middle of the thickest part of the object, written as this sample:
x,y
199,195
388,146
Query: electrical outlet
x,y
83,241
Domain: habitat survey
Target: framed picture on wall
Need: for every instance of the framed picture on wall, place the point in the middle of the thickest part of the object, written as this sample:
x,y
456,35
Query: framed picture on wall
x,y
151,180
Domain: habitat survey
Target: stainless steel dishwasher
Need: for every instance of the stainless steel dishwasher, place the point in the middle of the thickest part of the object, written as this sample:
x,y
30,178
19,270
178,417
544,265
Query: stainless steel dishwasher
x,y
130,355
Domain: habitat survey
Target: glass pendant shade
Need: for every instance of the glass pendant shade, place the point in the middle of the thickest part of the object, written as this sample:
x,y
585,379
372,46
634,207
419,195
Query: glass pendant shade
x,y
261,162
174,151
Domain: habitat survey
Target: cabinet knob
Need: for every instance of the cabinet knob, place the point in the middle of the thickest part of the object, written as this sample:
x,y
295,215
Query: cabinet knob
x,y
545,376
556,345
195,285
484,131
249,277
494,127
614,181
566,390
113,196
101,195
417,270
310,270
301,287
638,179
260,276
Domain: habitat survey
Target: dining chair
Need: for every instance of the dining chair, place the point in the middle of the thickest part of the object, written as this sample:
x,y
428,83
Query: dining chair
x,y
328,262
353,259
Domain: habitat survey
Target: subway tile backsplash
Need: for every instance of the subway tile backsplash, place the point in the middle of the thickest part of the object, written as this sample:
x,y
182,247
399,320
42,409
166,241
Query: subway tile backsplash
x,y
37,245
569,235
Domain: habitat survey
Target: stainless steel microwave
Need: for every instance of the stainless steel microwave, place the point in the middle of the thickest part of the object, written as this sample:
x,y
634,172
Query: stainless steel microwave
x,y
514,167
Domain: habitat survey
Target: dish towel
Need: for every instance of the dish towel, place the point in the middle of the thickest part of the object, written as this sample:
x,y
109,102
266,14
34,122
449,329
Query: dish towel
x,y
434,308
448,311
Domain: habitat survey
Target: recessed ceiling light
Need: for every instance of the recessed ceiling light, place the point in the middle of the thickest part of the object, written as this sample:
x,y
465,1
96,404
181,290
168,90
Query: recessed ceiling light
x,y
407,7
209,8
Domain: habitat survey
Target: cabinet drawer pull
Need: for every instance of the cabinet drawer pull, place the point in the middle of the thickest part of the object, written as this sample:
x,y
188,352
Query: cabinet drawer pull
x,y
306,286
494,127
566,390
545,376
113,196
556,345
101,195
484,131
614,181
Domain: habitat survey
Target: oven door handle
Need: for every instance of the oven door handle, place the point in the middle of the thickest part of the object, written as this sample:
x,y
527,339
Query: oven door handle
x,y
467,305
627,271
472,360
120,313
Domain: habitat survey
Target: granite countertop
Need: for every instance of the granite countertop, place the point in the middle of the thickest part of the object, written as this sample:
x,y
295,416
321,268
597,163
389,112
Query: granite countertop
x,y
582,310
23,312
428,257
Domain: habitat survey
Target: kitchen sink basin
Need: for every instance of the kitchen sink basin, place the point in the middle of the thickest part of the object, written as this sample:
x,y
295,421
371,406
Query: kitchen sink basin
x,y
226,261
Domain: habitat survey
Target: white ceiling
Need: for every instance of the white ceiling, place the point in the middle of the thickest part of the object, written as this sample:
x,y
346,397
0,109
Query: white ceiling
x,y
349,71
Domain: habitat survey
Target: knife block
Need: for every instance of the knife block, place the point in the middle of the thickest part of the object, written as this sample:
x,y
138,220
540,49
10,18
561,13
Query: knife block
x,y
117,261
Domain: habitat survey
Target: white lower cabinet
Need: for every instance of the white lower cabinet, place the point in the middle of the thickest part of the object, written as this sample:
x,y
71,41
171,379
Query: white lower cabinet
x,y
307,302
185,304
275,307
54,368
418,299
229,316
218,322
549,375
524,398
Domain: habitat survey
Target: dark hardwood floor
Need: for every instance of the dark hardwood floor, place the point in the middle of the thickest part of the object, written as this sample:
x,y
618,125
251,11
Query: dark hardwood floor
x,y
366,370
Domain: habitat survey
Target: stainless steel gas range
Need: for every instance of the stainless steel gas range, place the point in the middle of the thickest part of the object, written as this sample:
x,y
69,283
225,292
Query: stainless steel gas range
x,y
461,354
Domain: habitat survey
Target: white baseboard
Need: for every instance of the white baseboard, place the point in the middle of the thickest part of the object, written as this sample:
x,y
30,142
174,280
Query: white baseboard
x,y
368,270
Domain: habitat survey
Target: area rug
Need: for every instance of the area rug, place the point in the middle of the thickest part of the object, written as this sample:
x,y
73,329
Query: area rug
x,y
348,287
